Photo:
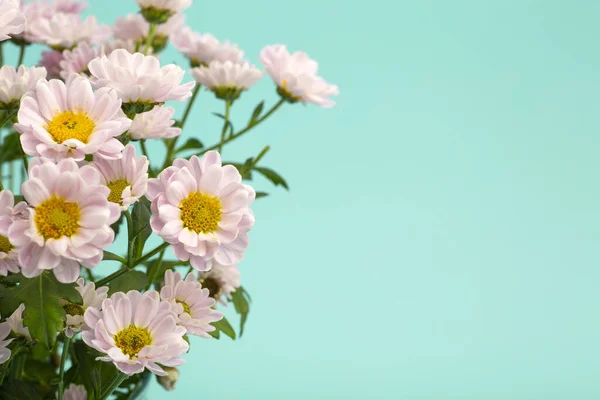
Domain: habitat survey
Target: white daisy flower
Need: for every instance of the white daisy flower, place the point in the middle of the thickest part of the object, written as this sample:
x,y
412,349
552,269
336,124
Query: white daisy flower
x,y
136,331
15,83
139,79
77,60
135,28
51,61
12,20
69,220
201,208
159,11
191,303
9,213
64,31
69,120
154,124
15,321
296,76
127,178
227,79
75,392
221,281
4,350
91,296
202,49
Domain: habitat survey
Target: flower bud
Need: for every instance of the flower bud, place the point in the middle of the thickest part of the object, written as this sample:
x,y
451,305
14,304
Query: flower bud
x,y
168,381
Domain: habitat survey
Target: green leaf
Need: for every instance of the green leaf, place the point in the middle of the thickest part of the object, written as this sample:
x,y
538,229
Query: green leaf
x,y
43,313
191,144
224,326
108,256
261,194
273,176
40,372
215,334
131,280
10,149
240,300
256,113
94,375
141,226
19,390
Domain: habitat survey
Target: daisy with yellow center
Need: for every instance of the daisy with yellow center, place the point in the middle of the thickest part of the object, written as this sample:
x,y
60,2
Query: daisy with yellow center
x,y
136,331
202,49
68,223
9,213
191,303
91,296
126,178
69,120
227,80
202,209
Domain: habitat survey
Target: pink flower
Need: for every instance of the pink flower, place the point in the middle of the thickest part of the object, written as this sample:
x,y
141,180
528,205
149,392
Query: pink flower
x,y
9,213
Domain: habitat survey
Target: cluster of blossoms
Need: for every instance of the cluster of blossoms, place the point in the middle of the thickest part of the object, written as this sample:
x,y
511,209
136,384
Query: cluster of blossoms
x,y
82,118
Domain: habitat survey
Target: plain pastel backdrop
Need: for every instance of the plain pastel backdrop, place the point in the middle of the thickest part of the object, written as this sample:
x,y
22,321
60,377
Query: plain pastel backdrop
x,y
440,238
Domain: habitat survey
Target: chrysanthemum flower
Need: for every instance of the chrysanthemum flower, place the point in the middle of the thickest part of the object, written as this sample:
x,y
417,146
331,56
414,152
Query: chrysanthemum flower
x,y
159,11
136,331
12,20
221,281
9,213
127,178
69,220
64,31
202,209
191,303
139,79
77,60
15,321
4,350
51,61
154,124
60,120
15,83
227,79
75,392
202,49
135,28
91,296
296,76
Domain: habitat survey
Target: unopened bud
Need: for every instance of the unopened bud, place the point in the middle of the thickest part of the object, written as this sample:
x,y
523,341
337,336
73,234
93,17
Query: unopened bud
x,y
168,381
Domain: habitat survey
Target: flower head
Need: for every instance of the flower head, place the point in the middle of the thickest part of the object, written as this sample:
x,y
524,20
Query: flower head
x,y
69,220
15,83
135,28
64,31
202,209
127,178
154,124
202,49
51,61
75,392
296,76
221,281
227,79
91,296
12,20
136,331
191,303
159,11
61,120
4,350
15,321
9,213
139,79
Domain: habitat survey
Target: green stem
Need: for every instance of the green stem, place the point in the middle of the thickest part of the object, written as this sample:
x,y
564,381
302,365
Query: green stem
x,y
150,38
225,125
106,280
21,54
152,277
114,383
151,254
131,239
186,113
90,275
63,361
189,272
261,154
246,129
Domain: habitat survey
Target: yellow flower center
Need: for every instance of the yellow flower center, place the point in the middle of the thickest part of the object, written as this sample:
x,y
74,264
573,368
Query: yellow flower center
x,y
55,218
186,308
71,125
73,309
116,190
200,212
5,246
213,286
132,340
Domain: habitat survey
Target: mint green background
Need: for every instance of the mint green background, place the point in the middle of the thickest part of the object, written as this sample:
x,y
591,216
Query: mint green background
x,y
440,239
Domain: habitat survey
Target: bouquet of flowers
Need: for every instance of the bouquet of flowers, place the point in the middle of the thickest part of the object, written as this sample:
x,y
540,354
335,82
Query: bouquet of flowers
x,y
76,174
